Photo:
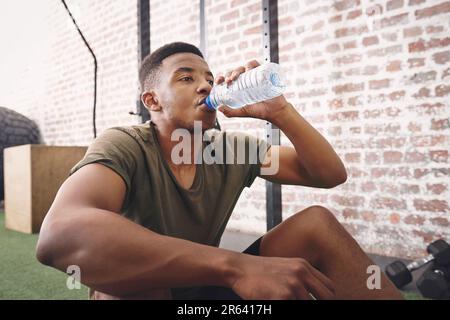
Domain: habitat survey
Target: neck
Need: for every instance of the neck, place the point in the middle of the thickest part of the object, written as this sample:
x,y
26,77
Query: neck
x,y
164,134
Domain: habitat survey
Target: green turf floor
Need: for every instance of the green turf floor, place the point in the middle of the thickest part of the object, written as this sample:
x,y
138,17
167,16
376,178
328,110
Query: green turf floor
x,y
23,277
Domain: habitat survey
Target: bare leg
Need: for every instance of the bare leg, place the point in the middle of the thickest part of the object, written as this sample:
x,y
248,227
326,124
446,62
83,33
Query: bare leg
x,y
316,235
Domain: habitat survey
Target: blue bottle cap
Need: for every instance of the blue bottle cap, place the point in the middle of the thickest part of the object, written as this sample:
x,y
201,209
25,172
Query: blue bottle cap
x,y
209,103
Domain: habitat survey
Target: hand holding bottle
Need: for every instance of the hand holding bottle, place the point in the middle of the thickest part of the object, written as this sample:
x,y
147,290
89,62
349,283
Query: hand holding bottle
x,y
265,110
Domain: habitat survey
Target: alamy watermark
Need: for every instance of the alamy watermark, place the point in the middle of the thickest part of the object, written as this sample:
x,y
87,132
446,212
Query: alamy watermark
x,y
74,279
374,280
239,151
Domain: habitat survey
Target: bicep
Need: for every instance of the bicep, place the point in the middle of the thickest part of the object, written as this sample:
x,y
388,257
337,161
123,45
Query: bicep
x,y
94,186
281,165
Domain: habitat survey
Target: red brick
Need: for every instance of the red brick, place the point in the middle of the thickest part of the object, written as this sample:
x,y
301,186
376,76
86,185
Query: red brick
x,y
436,188
353,157
428,141
415,2
434,29
372,158
441,57
368,41
442,90
427,237
347,59
394,66
332,48
348,201
415,157
445,73
350,45
387,203
409,189
370,70
394,4
414,219
422,93
422,45
354,14
335,19
350,213
345,4
373,10
390,157
394,218
442,222
353,31
439,155
434,10
379,84
397,95
229,16
335,103
349,87
416,62
369,216
395,20
318,25
431,205
368,186
440,124
421,77
382,52
344,116
412,31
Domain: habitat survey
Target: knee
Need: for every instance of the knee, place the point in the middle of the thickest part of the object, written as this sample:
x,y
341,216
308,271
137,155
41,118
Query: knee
x,y
317,220
319,214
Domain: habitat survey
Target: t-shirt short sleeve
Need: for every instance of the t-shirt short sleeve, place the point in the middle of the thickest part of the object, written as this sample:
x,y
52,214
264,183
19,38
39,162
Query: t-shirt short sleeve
x,y
249,161
116,150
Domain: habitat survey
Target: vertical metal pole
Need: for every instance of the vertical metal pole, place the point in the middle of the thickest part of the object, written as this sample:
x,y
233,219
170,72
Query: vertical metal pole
x,y
202,28
144,48
270,50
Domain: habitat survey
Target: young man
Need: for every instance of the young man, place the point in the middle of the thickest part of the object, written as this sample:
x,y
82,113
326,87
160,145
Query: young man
x,y
143,225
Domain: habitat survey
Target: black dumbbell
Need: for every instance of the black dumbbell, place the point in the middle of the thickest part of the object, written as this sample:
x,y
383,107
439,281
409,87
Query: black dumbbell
x,y
434,282
400,273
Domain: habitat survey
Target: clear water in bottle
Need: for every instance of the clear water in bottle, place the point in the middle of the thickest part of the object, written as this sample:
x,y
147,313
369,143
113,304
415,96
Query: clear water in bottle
x,y
258,84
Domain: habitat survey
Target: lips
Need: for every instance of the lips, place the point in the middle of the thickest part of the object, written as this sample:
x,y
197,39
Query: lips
x,y
202,101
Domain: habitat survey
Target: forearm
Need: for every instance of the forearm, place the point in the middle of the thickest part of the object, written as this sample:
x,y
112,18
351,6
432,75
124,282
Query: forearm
x,y
314,152
119,257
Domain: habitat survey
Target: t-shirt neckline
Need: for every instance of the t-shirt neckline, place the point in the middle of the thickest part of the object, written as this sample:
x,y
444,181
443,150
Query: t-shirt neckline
x,y
198,167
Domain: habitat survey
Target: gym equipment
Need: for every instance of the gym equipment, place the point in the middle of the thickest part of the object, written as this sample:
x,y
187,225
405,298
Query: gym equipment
x,y
434,283
401,274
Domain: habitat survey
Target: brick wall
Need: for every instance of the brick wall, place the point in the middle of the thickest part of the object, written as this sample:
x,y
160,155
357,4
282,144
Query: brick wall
x,y
372,76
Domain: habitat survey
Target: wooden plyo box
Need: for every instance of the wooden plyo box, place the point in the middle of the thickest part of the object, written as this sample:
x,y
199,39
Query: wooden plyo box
x,y
33,174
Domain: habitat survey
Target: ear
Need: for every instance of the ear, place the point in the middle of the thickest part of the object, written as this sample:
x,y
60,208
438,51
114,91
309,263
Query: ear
x,y
150,101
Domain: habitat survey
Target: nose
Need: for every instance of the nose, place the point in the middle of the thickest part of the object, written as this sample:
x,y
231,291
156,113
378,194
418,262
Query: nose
x,y
204,87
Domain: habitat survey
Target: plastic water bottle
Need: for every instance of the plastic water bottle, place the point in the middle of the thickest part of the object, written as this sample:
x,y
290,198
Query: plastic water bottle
x,y
261,83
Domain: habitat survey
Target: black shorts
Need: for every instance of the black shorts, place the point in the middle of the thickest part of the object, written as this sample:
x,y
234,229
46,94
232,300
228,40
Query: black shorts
x,y
213,292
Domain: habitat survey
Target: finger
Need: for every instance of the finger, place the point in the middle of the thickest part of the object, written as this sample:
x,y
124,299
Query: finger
x,y
251,64
236,73
323,278
219,80
228,77
303,294
230,112
318,289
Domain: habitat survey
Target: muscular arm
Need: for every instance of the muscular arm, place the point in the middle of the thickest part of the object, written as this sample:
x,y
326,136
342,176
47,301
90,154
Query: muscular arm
x,y
115,255
121,258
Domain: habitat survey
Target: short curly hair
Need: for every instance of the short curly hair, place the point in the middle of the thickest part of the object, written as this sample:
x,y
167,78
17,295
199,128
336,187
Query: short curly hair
x,y
150,66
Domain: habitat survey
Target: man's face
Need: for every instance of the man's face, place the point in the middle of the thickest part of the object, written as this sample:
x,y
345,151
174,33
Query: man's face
x,y
185,81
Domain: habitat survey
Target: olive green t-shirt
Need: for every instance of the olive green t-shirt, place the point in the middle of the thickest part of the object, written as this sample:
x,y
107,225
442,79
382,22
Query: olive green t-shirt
x,y
155,199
